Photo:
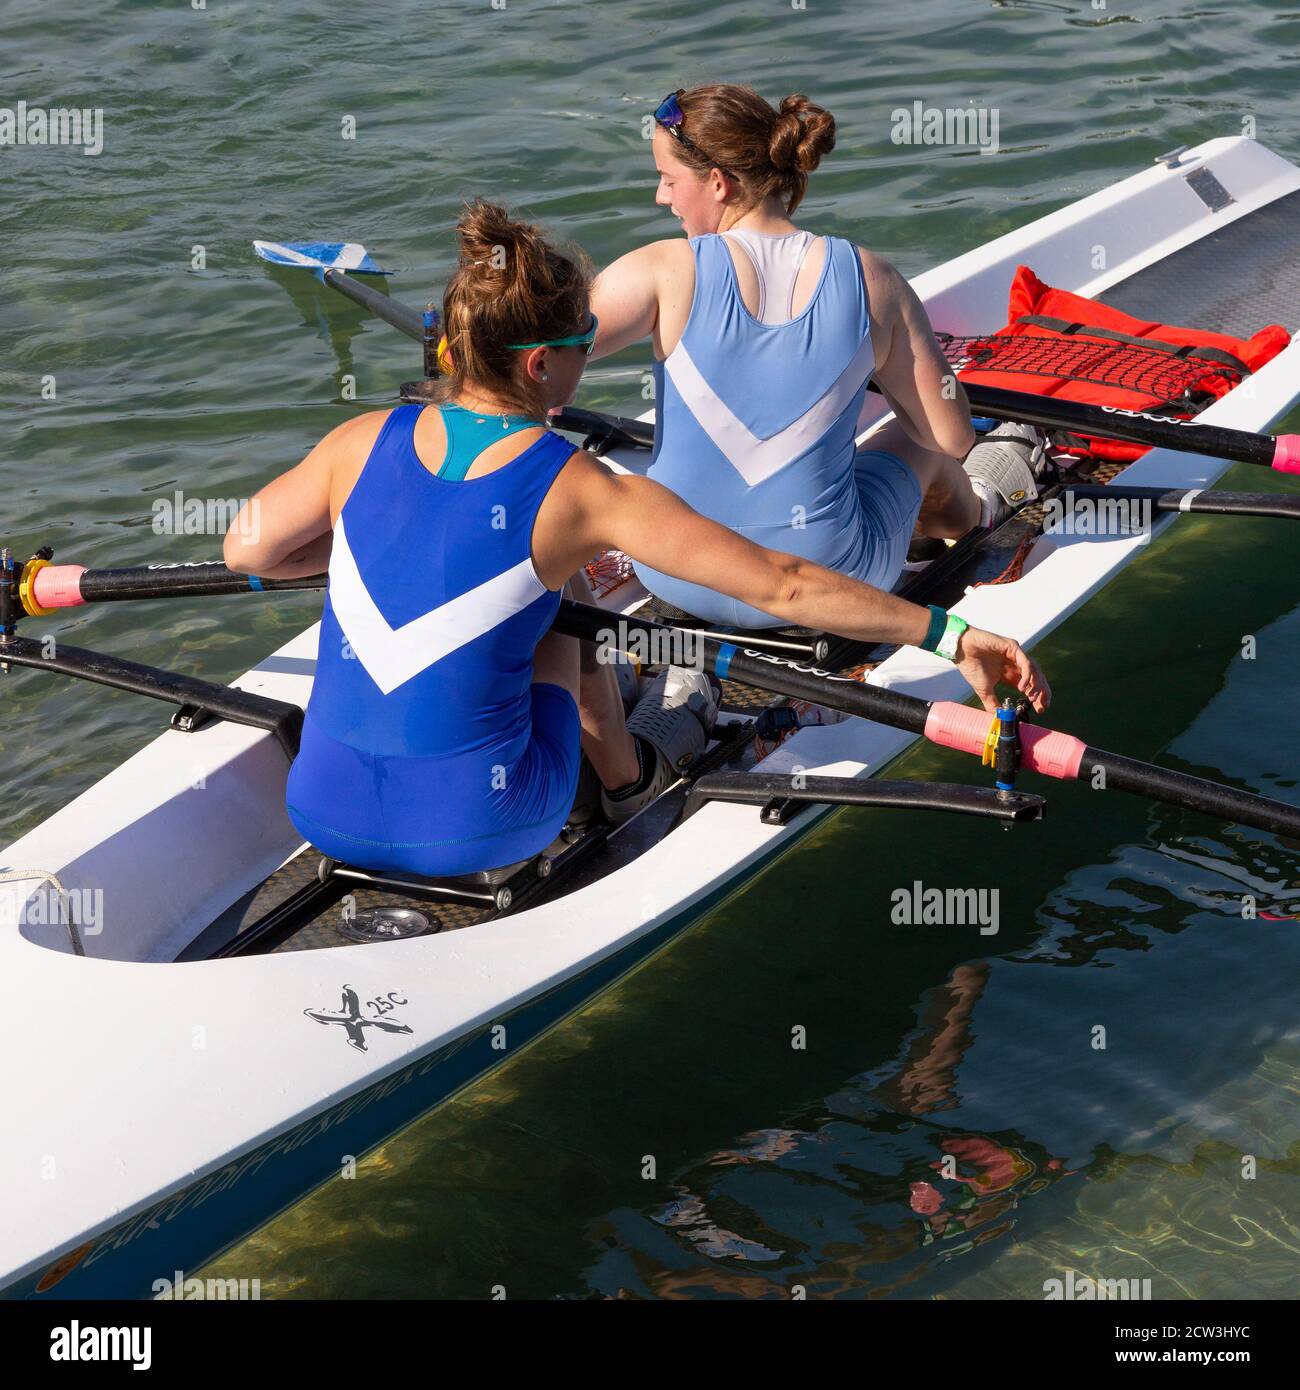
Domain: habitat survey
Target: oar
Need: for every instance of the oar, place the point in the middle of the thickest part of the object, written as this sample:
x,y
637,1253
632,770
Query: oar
x,y
330,262
1281,452
943,722
46,587
1196,500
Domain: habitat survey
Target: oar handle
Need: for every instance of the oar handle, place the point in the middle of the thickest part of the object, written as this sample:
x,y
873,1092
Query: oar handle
x,y
50,587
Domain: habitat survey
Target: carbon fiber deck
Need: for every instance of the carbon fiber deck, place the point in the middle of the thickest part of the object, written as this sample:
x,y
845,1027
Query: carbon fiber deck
x,y
1236,280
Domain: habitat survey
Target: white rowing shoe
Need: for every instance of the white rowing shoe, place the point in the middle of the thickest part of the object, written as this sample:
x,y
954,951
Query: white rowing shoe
x,y
194,956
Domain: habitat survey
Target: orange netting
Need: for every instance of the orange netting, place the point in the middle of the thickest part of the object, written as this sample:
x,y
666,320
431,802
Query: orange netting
x,y
607,571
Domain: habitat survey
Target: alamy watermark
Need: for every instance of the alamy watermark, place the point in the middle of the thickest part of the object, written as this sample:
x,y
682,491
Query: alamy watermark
x,y
179,515
1079,1287
227,1290
670,647
59,125
82,908
1073,515
919,124
76,1341
946,907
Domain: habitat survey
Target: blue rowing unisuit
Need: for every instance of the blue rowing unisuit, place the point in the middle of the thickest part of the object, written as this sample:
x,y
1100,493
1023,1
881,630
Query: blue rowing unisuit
x,y
426,745
757,415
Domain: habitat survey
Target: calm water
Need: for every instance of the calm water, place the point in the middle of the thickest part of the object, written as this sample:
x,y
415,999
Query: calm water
x,y
775,1166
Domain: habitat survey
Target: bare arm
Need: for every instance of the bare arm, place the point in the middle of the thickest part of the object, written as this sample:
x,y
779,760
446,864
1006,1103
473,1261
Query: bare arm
x,y
658,528
625,299
911,369
284,531
598,509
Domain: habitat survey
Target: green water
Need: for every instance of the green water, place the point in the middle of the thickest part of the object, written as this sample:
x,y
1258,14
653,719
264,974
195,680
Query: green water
x,y
774,1166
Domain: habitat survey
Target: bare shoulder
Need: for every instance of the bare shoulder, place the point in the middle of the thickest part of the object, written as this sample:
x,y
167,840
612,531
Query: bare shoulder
x,y
362,428
673,255
570,522
353,436
583,472
589,491
648,261
338,459
669,251
881,276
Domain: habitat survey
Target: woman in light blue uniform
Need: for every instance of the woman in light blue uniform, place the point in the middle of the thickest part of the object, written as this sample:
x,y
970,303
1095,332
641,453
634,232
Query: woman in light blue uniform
x,y
758,414
765,338
443,732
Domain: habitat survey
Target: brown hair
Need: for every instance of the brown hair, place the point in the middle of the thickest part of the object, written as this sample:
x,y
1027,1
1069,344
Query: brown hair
x,y
769,151
512,286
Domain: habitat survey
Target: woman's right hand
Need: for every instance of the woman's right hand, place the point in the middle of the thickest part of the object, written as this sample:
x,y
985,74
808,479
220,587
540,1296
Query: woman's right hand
x,y
986,660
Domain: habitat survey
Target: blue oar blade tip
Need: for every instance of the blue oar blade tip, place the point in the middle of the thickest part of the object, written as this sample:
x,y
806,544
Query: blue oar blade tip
x,y
320,256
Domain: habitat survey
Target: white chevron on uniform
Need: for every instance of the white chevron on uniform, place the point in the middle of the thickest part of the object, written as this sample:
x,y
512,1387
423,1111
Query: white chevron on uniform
x,y
392,656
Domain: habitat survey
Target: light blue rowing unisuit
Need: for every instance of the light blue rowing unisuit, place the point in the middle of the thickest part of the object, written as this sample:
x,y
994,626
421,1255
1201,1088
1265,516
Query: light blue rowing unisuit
x,y
426,746
757,415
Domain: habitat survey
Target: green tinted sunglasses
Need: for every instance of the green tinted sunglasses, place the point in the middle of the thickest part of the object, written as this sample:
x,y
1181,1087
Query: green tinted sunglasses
x,y
586,340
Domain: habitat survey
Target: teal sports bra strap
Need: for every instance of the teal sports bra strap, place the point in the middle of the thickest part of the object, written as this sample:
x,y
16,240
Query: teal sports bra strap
x,y
469,434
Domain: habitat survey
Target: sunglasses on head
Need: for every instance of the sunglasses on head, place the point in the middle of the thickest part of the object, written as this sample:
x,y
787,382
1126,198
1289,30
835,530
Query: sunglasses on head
x,y
670,116
585,340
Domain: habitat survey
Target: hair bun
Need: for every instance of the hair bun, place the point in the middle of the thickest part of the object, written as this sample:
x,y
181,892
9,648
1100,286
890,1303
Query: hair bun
x,y
801,134
491,239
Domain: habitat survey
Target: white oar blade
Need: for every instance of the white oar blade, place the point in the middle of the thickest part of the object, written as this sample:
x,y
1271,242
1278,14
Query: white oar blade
x,y
320,255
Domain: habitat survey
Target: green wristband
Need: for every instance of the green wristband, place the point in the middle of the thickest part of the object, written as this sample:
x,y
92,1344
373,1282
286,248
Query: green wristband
x,y
938,621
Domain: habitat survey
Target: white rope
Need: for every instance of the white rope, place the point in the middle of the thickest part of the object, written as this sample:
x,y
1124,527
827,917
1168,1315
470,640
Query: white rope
x,y
45,876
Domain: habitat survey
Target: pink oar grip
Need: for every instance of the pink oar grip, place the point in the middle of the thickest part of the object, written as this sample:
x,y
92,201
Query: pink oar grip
x,y
1047,751
1286,456
58,586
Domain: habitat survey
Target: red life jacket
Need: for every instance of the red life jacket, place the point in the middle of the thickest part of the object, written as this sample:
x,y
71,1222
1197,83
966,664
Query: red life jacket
x,y
1038,309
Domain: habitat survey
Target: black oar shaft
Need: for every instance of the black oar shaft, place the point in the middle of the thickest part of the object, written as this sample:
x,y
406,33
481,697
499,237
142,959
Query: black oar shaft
x,y
1135,427
68,586
764,670
1200,501
181,581
402,317
1193,793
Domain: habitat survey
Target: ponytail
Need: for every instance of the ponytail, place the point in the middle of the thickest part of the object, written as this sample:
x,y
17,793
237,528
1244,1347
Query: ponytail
x,y
512,286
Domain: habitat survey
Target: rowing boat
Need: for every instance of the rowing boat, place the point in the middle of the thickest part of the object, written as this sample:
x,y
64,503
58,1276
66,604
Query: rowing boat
x,y
207,938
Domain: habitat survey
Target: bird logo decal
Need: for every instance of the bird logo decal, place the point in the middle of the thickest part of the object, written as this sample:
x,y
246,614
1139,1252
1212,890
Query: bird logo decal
x,y
354,1024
